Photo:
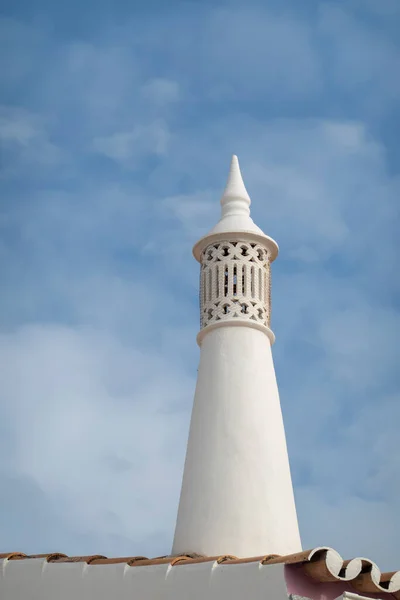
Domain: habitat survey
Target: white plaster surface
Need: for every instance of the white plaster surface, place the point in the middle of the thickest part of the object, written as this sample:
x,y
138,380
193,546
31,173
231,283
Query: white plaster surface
x,y
35,579
237,495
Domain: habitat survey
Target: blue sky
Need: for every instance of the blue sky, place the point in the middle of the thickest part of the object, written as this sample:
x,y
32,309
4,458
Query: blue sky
x,y
117,124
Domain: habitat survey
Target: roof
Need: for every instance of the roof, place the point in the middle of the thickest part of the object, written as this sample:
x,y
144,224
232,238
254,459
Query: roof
x,y
323,565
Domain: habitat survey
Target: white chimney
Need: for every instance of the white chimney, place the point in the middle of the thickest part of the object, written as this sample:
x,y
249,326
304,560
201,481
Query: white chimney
x,y
237,495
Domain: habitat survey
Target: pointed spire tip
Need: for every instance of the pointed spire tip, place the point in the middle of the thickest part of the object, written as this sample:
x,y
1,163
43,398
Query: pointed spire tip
x,y
234,162
235,190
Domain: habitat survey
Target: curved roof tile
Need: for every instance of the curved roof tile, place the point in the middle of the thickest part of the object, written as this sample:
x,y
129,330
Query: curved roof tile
x,y
322,564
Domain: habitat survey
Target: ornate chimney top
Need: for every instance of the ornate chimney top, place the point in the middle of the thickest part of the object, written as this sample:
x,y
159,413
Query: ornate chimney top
x,y
235,221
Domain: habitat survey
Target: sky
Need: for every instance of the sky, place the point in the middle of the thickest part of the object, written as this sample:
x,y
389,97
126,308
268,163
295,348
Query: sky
x,y
117,124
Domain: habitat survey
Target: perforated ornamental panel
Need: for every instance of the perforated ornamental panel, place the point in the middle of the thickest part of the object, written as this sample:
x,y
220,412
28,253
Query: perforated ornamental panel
x,y
235,283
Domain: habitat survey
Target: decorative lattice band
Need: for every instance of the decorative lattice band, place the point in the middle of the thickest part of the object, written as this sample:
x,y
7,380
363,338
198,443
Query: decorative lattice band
x,y
235,283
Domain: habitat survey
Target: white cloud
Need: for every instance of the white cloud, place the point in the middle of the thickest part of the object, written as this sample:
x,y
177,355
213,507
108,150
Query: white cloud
x,y
194,212
17,126
93,418
25,135
132,145
349,136
161,91
98,78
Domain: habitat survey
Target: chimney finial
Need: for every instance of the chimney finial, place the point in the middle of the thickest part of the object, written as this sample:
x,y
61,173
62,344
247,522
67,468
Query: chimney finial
x,y
235,199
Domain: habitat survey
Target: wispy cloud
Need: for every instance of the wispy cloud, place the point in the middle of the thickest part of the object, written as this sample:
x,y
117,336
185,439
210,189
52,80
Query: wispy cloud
x,y
25,141
76,390
128,146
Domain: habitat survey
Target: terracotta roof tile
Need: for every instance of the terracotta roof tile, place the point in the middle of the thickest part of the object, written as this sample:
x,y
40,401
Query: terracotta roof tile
x,y
60,558
49,557
321,564
114,561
